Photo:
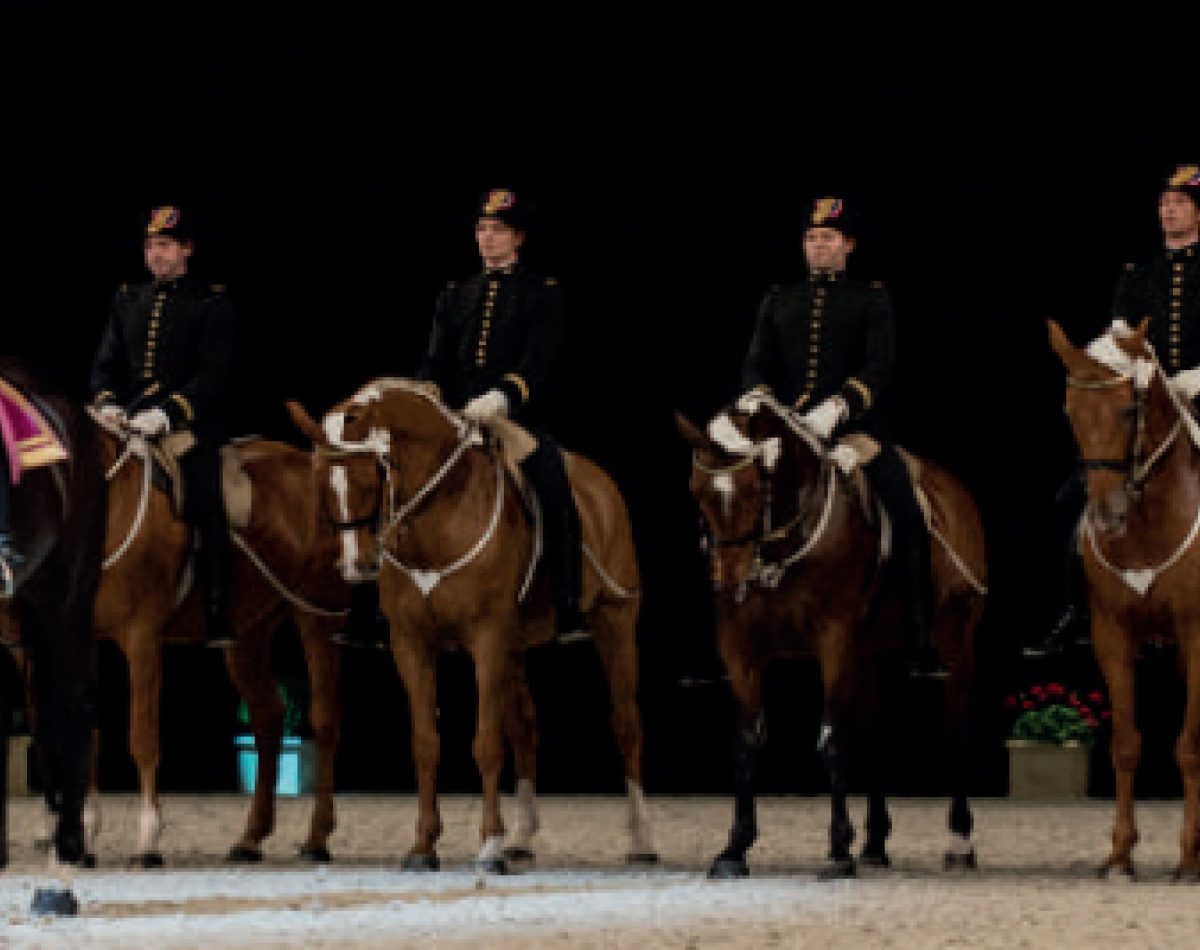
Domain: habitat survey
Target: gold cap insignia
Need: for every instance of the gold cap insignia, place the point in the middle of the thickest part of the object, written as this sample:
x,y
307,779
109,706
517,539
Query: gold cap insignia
x,y
499,199
826,208
162,218
1185,176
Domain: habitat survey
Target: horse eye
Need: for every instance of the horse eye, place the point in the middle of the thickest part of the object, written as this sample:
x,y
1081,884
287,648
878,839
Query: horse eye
x,y
1127,415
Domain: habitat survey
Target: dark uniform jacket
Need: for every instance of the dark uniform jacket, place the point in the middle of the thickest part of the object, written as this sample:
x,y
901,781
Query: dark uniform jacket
x,y
1167,290
498,330
825,336
177,338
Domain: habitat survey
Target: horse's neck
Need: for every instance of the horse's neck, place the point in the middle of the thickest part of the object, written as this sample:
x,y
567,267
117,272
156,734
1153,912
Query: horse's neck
x,y
1172,486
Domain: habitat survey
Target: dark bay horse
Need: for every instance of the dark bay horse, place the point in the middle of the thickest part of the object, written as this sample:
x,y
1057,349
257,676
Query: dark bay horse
x,y
1138,445
281,568
799,572
58,516
412,485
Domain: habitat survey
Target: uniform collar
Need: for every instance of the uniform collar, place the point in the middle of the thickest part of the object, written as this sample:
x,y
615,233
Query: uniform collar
x,y
1190,251
825,278
169,286
500,272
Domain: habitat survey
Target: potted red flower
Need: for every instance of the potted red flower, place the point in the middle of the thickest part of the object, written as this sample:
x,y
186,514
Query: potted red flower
x,y
1052,738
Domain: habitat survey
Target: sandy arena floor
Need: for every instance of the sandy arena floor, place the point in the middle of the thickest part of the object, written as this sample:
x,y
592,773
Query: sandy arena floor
x,y
1036,886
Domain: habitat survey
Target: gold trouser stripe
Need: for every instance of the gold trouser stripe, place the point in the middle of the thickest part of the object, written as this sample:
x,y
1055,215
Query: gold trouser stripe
x,y
187,406
520,384
862,390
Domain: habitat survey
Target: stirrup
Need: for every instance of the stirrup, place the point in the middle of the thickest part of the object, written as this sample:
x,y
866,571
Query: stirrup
x,y
1057,641
7,585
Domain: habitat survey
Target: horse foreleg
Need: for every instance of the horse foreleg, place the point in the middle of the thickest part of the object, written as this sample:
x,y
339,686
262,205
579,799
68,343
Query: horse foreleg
x,y
492,678
144,655
323,660
614,635
833,745
750,732
1187,755
416,662
878,730
520,725
962,617
1114,654
91,805
249,665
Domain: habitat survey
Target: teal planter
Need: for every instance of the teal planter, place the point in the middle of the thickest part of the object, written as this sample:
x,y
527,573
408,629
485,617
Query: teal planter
x,y
297,765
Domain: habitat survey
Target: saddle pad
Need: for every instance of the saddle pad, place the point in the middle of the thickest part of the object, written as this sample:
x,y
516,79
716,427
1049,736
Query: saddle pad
x,y
867,448
236,487
30,440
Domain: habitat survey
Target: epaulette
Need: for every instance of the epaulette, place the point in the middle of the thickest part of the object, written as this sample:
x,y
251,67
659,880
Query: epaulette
x,y
123,289
551,282
450,285
218,288
877,285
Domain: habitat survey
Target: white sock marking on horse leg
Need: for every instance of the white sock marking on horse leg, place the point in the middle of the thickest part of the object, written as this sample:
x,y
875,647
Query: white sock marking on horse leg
x,y
149,828
492,849
641,832
49,822
960,845
526,824
91,822
63,873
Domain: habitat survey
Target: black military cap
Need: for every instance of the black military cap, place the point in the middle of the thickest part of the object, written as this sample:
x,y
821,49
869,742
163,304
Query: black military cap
x,y
168,221
1186,180
832,213
503,204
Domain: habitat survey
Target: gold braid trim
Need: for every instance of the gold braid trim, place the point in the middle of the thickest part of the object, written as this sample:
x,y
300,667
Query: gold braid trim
x,y
185,405
520,384
862,391
103,396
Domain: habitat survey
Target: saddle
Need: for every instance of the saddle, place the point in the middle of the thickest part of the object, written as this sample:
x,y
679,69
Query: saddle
x,y
30,439
866,448
236,487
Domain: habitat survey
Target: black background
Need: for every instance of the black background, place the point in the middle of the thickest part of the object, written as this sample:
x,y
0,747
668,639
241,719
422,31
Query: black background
x,y
1005,170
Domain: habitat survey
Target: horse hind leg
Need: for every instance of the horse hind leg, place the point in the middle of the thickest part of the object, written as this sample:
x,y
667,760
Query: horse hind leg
x,y
961,616
249,665
614,627
1187,755
521,728
144,655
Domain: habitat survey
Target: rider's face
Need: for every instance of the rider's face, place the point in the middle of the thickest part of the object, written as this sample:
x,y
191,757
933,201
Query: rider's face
x,y
826,249
498,242
166,257
1177,213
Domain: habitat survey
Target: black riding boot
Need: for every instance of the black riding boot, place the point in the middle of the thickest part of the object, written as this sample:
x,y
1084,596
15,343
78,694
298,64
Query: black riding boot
x,y
366,625
202,470
910,549
9,556
1071,623
562,550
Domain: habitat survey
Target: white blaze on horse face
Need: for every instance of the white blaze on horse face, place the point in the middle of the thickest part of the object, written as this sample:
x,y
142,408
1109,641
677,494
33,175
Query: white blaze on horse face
x,y
722,431
723,483
339,481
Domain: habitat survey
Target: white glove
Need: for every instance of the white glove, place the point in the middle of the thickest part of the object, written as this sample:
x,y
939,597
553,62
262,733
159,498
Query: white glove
x,y
150,423
825,417
1187,383
749,403
113,415
484,408
844,457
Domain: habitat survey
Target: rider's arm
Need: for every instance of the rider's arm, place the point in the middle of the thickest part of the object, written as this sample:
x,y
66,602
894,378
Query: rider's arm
x,y
763,368
214,370
438,363
874,374
1130,300
108,379
543,340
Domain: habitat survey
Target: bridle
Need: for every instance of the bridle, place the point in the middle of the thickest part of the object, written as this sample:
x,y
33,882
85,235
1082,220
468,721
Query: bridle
x,y
767,572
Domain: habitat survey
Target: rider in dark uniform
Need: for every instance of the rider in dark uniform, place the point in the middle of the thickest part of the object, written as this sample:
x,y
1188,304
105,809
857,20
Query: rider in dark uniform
x,y
165,364
495,337
1167,290
826,346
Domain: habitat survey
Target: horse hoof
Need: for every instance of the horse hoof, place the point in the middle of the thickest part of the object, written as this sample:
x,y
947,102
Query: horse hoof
x,y
315,853
54,903
1116,874
88,861
518,855
492,866
643,859
839,869
875,858
420,862
243,854
149,861
728,869
1191,876
961,862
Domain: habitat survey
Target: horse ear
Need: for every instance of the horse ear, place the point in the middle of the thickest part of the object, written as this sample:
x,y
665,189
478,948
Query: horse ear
x,y
692,435
304,422
1142,329
1062,346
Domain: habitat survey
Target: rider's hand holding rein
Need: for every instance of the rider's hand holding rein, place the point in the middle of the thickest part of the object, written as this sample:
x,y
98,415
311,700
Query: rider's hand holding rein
x,y
484,408
150,423
826,416
113,415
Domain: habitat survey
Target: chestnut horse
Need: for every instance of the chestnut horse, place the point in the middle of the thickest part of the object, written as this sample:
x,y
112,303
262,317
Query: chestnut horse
x,y
414,486
799,571
1138,445
58,522
138,609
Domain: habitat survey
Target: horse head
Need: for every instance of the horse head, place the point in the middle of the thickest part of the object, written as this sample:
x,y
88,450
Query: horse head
x,y
374,453
1120,407
750,475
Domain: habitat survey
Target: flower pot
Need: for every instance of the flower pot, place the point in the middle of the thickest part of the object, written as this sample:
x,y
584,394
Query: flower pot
x,y
20,756
1046,771
297,765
